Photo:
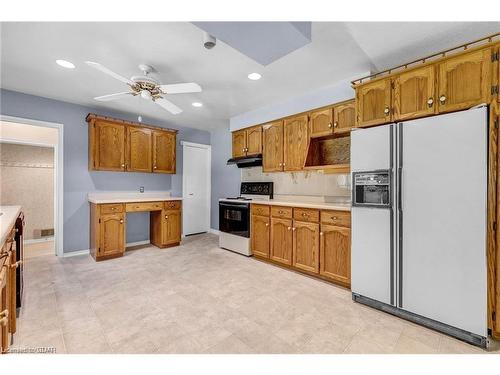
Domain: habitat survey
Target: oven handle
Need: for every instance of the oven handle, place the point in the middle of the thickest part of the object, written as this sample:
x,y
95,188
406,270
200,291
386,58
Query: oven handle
x,y
234,205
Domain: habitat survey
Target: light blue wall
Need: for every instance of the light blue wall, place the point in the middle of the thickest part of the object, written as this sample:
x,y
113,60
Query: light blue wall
x,y
78,180
225,178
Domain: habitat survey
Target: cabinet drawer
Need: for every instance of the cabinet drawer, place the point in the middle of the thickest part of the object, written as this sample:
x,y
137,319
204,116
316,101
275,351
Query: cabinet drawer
x,y
339,218
144,206
282,212
111,208
172,205
260,209
306,214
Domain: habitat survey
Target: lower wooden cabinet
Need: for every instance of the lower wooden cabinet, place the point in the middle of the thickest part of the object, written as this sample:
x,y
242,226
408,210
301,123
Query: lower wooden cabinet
x,y
335,253
281,241
306,246
259,241
111,235
171,227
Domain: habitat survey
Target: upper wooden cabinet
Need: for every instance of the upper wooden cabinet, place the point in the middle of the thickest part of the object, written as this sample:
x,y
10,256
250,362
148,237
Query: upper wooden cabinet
x,y
138,149
247,142
296,140
414,93
465,80
344,117
107,145
321,122
164,150
117,145
496,82
373,103
272,147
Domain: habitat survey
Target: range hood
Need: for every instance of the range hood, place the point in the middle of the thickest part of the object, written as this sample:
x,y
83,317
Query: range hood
x,y
247,161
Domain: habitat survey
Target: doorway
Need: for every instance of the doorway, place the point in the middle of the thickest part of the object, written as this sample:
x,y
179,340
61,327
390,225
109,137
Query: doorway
x,y
196,182
32,156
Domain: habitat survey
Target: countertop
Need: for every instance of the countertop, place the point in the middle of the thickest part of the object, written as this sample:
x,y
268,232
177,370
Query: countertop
x,y
7,220
302,203
129,197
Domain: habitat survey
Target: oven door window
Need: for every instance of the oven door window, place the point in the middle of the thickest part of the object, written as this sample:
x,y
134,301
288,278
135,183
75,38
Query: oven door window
x,y
234,219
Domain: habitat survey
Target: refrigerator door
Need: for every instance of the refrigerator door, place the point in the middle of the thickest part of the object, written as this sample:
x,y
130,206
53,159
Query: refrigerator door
x,y
371,148
443,187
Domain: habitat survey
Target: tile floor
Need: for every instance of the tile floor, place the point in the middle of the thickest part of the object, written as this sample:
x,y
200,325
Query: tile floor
x,y
39,249
197,298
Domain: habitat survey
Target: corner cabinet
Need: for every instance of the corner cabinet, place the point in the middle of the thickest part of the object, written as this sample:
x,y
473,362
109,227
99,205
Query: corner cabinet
x,y
123,146
373,103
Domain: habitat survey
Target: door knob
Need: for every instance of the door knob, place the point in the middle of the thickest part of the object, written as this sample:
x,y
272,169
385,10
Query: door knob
x,y
442,99
430,102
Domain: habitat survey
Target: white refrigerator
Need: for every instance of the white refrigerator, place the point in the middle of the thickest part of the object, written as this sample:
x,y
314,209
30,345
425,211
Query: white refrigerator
x,y
419,221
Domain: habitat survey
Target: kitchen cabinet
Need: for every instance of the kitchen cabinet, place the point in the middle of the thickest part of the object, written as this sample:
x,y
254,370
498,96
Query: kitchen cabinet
x,y
247,142
344,117
281,241
171,227
4,309
373,103
111,235
260,235
164,150
496,82
414,93
272,147
138,149
306,246
321,122
296,140
464,80
239,143
107,144
335,253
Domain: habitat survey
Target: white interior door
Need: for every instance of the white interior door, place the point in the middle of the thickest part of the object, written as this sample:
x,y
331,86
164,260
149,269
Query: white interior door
x,y
196,188
444,219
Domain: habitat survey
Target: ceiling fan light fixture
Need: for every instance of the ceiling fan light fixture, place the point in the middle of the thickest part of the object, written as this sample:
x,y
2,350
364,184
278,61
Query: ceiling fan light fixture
x,y
145,94
65,64
197,104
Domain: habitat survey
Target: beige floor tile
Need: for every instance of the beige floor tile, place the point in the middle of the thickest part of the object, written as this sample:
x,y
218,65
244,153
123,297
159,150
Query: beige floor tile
x,y
408,345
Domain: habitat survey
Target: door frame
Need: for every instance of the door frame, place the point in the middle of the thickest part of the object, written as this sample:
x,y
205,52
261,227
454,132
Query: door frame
x,y
58,169
185,144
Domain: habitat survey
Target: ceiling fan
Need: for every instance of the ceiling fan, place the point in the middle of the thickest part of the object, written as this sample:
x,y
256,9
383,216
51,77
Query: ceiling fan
x,y
147,87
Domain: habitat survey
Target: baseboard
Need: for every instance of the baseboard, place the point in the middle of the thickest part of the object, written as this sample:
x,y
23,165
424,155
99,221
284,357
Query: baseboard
x,y
214,231
137,243
38,240
84,252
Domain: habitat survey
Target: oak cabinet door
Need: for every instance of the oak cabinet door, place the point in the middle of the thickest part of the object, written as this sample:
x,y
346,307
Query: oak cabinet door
x,y
321,123
171,227
239,143
344,117
4,307
272,147
498,86
281,241
306,246
373,103
254,141
296,140
112,234
164,148
139,155
464,81
260,235
335,253
414,93
109,146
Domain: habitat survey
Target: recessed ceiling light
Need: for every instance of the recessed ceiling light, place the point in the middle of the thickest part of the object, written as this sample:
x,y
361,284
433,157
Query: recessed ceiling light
x,y
197,104
65,64
254,76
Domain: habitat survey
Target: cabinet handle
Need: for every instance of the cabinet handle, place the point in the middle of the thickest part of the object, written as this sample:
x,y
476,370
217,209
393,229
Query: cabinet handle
x,y
267,224
430,102
304,214
330,125
154,167
334,217
442,99
320,233
280,212
335,124
113,208
289,228
166,216
387,110
121,221
4,321
293,229
17,264
123,165
4,313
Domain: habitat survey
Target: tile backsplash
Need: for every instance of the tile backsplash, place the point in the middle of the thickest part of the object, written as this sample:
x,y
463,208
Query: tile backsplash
x,y
311,183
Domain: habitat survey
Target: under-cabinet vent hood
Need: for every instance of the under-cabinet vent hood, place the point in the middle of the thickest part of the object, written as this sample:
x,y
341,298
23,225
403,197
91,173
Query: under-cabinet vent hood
x,y
247,161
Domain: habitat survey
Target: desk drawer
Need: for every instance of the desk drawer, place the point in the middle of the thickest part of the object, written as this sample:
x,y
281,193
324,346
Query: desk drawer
x,y
339,218
144,206
172,205
306,214
111,208
281,212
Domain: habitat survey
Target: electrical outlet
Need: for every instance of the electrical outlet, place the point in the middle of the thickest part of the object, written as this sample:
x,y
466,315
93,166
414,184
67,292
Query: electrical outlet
x,y
141,189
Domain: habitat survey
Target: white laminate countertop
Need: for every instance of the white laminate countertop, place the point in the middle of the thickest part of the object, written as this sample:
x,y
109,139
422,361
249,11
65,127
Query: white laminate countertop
x,y
8,218
129,197
302,204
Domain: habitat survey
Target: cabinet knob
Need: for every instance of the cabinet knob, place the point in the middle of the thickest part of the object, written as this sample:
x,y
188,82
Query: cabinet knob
x,y
123,165
289,228
320,233
387,110
166,216
442,99
304,214
334,217
17,264
293,229
335,124
267,224
4,321
4,314
113,208
430,102
154,167
330,125
121,221
280,212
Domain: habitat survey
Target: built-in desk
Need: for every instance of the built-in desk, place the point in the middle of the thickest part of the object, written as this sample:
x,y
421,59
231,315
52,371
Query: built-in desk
x,y
108,221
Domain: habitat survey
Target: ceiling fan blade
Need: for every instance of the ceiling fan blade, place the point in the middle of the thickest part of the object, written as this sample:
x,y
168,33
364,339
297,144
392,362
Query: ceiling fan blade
x,y
107,98
169,106
181,88
103,69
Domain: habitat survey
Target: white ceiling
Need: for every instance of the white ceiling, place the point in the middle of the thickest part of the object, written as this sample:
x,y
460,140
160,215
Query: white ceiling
x,y
338,50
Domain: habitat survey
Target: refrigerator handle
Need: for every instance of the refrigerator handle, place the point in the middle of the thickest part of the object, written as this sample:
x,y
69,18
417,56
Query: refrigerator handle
x,y
400,188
